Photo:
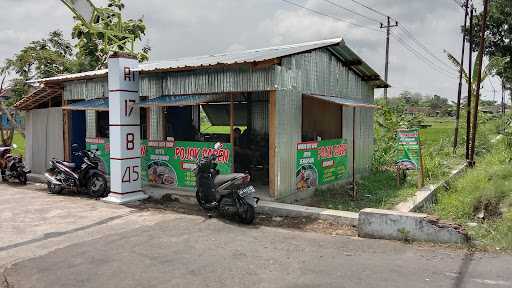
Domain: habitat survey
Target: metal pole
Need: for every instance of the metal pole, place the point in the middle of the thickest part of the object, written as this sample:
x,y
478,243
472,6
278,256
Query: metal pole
x,y
470,83
478,82
459,92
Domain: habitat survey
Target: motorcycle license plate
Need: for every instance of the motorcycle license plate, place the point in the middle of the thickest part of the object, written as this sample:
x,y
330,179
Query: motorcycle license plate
x,y
246,191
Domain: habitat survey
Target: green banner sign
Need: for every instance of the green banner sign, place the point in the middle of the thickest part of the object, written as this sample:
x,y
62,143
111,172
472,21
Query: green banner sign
x,y
320,163
409,149
101,148
171,163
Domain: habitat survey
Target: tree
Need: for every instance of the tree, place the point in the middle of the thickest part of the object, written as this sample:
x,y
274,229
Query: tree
x,y
498,36
39,59
495,64
438,103
92,44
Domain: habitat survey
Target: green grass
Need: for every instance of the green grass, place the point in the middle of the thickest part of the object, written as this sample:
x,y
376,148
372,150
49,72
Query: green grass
x,y
19,140
442,128
379,190
207,129
488,185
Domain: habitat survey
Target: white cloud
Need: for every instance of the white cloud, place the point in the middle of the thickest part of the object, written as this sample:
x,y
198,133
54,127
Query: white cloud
x,y
197,27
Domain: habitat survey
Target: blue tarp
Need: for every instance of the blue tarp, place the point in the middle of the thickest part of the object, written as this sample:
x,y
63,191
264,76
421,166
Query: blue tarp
x,y
94,104
184,100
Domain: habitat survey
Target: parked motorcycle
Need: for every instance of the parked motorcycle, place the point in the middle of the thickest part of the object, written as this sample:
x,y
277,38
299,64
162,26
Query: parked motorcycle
x,y
12,166
86,178
230,194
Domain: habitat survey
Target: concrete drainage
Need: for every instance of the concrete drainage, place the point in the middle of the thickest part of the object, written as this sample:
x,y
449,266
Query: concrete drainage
x,y
408,226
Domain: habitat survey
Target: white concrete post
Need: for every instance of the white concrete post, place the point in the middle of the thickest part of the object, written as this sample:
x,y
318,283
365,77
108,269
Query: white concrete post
x,y
124,120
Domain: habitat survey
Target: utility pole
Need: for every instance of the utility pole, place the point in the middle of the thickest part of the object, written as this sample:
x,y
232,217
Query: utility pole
x,y
483,27
470,83
388,30
459,92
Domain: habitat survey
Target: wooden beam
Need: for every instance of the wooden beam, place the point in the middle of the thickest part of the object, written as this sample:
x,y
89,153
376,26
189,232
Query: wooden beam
x,y
66,114
272,133
354,188
232,127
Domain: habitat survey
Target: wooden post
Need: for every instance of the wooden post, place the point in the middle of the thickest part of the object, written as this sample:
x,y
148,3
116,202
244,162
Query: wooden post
x,y
479,61
232,128
470,85
354,189
341,121
421,177
65,130
272,134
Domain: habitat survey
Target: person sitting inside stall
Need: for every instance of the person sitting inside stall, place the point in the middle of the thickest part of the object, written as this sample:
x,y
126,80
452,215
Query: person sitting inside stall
x,y
242,150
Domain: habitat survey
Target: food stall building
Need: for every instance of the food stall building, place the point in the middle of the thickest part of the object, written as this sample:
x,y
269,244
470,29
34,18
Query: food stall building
x,y
296,117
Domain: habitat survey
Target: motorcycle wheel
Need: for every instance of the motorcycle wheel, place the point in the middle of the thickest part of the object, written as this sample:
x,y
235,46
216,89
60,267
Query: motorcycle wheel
x,y
97,186
23,178
200,201
247,215
53,189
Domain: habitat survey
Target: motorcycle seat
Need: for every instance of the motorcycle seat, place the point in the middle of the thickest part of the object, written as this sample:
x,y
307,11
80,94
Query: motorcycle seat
x,y
3,149
224,178
70,165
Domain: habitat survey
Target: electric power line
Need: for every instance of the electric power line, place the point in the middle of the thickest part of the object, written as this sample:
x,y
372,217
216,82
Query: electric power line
x,y
425,48
371,9
420,56
329,16
410,35
352,11
428,58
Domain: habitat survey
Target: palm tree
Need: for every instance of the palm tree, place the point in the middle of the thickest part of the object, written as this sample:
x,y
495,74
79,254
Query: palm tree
x,y
495,64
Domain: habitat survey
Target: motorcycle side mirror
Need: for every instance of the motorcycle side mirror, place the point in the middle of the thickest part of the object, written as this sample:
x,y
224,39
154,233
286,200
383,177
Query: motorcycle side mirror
x,y
217,145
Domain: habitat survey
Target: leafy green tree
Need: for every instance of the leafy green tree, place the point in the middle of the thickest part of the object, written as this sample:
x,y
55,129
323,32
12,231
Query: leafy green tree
x,y
92,45
39,59
498,36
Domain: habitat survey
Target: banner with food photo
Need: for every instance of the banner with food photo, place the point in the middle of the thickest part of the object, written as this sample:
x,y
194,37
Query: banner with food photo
x,y
320,163
171,164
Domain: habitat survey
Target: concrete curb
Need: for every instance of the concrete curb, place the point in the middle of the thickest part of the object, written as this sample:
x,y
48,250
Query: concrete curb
x,y
407,226
290,210
427,194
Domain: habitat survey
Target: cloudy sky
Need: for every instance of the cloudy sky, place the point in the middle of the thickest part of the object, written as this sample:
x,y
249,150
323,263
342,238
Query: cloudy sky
x,y
179,28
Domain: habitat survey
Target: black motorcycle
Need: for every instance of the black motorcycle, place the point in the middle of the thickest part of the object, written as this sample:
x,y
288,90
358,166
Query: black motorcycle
x,y
12,166
230,194
86,178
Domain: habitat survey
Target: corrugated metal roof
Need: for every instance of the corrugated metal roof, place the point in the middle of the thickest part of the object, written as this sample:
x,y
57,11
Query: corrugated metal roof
x,y
256,55
337,46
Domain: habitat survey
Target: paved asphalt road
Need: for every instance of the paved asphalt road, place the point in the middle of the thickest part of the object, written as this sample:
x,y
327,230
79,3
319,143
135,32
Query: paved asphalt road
x,y
58,241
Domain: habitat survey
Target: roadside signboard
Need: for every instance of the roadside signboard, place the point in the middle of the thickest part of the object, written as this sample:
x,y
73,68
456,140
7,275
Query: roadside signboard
x,y
409,156
320,163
